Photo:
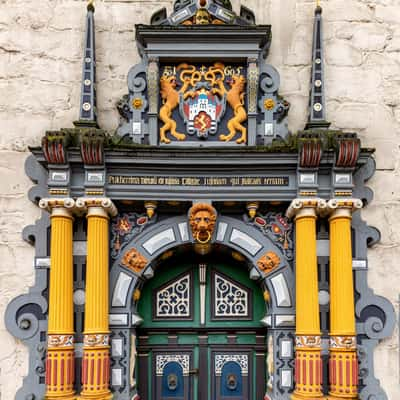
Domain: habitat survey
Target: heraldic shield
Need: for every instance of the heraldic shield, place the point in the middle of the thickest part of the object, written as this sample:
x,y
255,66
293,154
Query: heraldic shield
x,y
203,111
210,98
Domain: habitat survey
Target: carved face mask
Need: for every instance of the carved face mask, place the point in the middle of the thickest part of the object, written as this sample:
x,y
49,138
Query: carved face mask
x,y
202,17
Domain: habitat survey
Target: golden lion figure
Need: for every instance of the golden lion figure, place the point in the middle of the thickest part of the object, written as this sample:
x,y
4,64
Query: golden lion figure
x,y
235,98
170,97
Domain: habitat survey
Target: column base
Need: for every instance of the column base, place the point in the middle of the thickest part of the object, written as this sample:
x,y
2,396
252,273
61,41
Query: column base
x,y
62,396
103,396
301,396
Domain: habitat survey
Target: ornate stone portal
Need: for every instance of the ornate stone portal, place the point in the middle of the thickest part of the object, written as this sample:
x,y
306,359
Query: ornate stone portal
x,y
202,167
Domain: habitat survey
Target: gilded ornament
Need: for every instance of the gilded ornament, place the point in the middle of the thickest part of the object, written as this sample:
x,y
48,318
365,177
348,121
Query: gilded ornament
x,y
269,104
202,218
136,295
202,17
134,261
170,97
252,208
150,207
237,256
137,103
166,255
235,98
267,296
269,262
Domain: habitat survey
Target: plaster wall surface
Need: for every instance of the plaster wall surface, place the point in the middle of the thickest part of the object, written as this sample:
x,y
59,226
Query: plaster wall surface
x,y
40,70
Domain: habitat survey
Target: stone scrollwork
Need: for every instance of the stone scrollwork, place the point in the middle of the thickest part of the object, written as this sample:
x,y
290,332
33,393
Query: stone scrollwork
x,y
202,218
133,106
273,107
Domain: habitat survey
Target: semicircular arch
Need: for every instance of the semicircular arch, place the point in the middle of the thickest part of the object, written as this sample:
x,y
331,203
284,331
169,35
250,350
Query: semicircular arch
x,y
266,262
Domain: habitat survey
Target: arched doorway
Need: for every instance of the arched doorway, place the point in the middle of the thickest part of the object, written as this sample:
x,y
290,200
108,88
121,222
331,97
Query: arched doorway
x,y
141,258
201,336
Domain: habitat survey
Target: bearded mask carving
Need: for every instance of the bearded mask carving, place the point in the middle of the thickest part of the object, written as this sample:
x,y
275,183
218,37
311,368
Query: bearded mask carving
x,y
268,262
202,218
134,261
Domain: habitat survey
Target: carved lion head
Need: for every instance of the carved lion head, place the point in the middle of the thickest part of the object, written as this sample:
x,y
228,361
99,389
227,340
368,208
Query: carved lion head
x,y
202,219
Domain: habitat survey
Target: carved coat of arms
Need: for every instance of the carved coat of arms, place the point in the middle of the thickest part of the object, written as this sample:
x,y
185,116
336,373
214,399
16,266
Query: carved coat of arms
x,y
205,95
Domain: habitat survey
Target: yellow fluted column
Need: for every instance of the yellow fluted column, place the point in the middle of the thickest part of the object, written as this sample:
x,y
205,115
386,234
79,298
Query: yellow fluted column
x,y
308,365
343,364
60,370
96,347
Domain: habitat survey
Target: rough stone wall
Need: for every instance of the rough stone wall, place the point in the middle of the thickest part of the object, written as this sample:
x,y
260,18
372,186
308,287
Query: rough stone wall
x,y
40,71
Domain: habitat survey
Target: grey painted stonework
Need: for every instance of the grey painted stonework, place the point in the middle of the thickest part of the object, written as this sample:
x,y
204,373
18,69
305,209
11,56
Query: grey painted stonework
x,y
128,169
26,315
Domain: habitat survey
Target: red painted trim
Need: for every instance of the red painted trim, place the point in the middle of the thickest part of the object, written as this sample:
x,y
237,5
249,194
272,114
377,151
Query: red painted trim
x,y
63,378
99,374
84,370
341,373
334,378
311,365
55,372
91,380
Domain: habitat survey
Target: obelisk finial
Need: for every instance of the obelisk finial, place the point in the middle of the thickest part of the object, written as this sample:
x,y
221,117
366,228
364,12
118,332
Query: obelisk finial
x,y
88,111
90,5
317,112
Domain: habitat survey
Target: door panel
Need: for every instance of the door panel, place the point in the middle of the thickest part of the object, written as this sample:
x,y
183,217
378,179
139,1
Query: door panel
x,y
173,379
186,356
231,373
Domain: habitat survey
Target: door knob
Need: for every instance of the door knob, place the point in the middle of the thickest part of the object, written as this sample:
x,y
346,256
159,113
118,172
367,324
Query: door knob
x,y
172,382
194,371
231,382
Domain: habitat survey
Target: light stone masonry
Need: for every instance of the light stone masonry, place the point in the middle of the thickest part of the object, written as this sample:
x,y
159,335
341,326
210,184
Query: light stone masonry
x,y
40,70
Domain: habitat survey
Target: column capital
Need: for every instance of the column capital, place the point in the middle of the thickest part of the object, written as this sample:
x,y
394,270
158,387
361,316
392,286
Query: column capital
x,y
58,206
343,207
306,206
86,203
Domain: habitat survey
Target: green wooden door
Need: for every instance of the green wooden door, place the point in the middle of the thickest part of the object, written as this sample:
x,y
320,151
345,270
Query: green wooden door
x,y
201,338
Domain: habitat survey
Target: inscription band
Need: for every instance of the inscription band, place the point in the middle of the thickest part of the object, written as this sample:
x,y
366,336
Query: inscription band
x,y
161,180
